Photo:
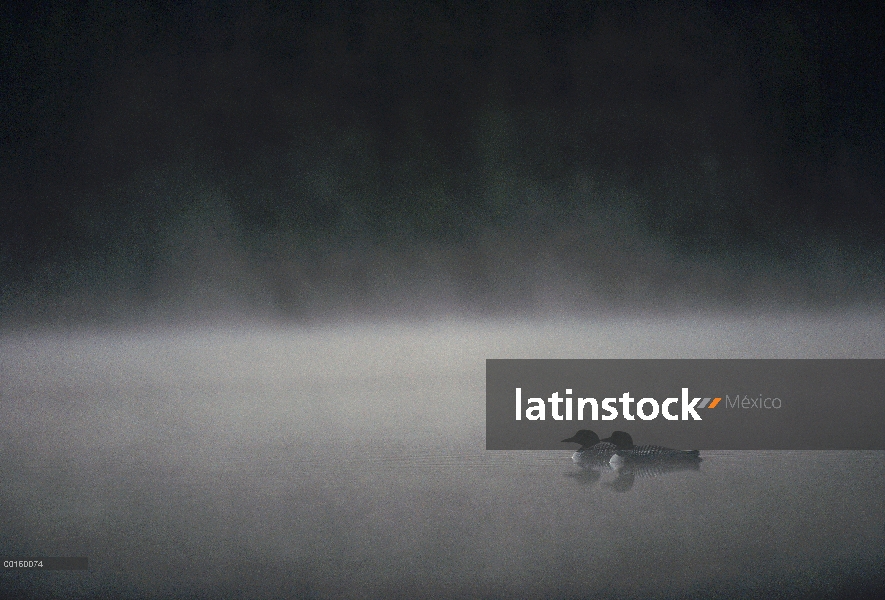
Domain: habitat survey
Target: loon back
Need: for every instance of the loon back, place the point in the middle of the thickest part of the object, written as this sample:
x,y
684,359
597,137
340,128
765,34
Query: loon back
x,y
655,466
625,447
648,451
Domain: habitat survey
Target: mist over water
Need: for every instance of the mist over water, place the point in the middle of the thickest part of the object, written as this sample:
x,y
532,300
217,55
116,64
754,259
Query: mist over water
x,y
348,461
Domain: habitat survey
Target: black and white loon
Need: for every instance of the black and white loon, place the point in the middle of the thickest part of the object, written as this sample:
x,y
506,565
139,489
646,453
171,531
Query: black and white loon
x,y
625,449
618,453
592,448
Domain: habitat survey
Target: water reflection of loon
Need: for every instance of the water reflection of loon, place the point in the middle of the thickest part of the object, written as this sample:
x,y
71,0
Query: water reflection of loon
x,y
618,453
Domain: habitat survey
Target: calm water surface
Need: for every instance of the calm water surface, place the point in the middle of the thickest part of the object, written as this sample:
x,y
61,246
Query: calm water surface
x,y
349,462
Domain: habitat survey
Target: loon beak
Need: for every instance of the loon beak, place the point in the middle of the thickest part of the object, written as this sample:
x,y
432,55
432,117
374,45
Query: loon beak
x,y
571,439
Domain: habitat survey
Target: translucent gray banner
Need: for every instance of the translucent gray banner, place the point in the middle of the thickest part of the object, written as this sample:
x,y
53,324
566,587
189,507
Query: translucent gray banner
x,y
688,404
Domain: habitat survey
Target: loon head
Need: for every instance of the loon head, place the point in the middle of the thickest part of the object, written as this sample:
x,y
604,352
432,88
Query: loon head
x,y
621,440
585,437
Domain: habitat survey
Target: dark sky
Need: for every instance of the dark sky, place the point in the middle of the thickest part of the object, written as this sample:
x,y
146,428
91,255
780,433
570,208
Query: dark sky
x,y
285,157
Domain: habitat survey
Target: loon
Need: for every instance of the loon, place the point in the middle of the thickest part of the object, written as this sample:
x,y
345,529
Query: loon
x,y
592,448
626,450
618,453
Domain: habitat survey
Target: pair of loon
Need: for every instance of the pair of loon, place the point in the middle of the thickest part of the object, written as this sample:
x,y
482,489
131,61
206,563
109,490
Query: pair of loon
x,y
619,446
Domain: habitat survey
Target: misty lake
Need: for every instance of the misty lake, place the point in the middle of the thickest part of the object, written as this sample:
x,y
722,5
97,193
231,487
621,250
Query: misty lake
x,y
349,461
